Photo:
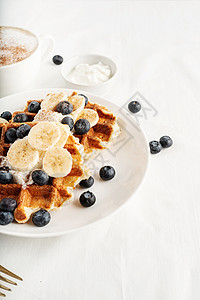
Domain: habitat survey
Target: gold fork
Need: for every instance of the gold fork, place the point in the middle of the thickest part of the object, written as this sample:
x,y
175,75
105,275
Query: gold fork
x,y
4,270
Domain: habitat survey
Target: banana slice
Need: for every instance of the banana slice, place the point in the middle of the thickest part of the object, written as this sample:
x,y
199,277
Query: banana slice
x,y
21,156
90,115
51,100
44,135
78,103
64,133
57,162
3,121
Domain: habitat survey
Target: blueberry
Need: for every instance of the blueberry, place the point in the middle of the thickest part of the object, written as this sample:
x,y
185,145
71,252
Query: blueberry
x,y
20,118
87,183
82,126
166,141
6,217
41,218
50,182
107,173
57,59
34,107
87,199
40,177
5,177
6,115
69,121
134,106
86,98
23,130
155,147
5,168
8,204
11,135
65,107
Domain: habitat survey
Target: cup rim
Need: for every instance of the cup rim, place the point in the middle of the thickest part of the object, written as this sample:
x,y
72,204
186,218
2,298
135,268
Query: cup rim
x,y
21,61
89,85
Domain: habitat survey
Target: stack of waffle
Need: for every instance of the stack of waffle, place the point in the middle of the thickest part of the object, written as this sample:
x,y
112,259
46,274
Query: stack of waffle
x,y
33,197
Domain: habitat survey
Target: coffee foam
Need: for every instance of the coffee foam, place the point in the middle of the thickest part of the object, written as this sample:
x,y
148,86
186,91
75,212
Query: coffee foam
x,y
16,45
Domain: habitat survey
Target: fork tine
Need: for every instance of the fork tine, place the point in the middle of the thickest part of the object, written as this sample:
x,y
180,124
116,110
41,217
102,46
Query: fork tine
x,y
7,280
6,271
5,287
2,295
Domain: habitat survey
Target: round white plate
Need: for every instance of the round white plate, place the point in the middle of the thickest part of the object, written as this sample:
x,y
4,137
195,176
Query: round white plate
x,y
129,155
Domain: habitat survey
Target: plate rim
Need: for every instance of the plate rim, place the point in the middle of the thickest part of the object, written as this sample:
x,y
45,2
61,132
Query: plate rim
x,y
60,233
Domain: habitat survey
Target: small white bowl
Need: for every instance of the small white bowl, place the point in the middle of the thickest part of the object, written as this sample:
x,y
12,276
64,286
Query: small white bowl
x,y
90,59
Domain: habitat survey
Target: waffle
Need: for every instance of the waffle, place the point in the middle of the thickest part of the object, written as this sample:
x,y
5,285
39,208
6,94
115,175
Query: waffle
x,y
101,135
98,137
25,110
48,197
33,197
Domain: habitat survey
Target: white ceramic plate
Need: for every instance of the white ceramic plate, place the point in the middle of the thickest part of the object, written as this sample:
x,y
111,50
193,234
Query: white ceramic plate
x,y
129,155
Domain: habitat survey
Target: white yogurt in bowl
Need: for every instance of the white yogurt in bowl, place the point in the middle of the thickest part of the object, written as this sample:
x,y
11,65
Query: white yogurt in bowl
x,y
90,74
93,73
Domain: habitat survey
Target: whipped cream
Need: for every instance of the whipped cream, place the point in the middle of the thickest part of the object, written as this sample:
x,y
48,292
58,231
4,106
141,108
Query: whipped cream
x,y
90,74
23,178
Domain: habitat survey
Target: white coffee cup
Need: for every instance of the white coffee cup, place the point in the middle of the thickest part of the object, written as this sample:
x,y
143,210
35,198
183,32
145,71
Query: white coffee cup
x,y
17,76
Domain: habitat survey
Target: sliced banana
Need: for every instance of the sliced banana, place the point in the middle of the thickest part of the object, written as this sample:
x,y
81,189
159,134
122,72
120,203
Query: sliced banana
x,y
57,162
44,135
90,115
51,100
21,156
78,103
3,121
64,133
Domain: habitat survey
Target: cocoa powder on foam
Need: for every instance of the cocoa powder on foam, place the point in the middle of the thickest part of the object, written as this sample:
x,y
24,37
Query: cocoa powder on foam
x,y
15,45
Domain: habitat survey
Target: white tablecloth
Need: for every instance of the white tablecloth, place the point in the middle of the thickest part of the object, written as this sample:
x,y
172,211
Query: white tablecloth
x,y
151,248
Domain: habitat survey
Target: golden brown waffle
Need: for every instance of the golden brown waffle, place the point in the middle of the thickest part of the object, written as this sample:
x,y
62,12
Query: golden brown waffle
x,y
100,135
29,114
48,197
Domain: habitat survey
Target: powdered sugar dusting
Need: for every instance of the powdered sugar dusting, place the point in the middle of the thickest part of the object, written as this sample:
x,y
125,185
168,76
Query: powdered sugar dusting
x,y
16,45
48,115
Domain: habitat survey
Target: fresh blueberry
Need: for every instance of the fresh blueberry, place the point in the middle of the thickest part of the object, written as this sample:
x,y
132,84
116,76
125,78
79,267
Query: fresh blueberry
x,y
87,199
155,147
86,98
134,106
69,121
11,135
166,141
82,126
41,218
6,115
107,173
23,130
87,183
5,177
34,107
5,168
8,204
20,118
57,59
6,217
65,107
50,182
40,177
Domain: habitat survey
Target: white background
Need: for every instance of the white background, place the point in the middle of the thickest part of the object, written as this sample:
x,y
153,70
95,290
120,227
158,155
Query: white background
x,y
151,248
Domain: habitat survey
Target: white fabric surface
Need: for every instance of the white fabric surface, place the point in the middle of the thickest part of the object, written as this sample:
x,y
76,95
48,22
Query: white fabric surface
x,y
150,250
